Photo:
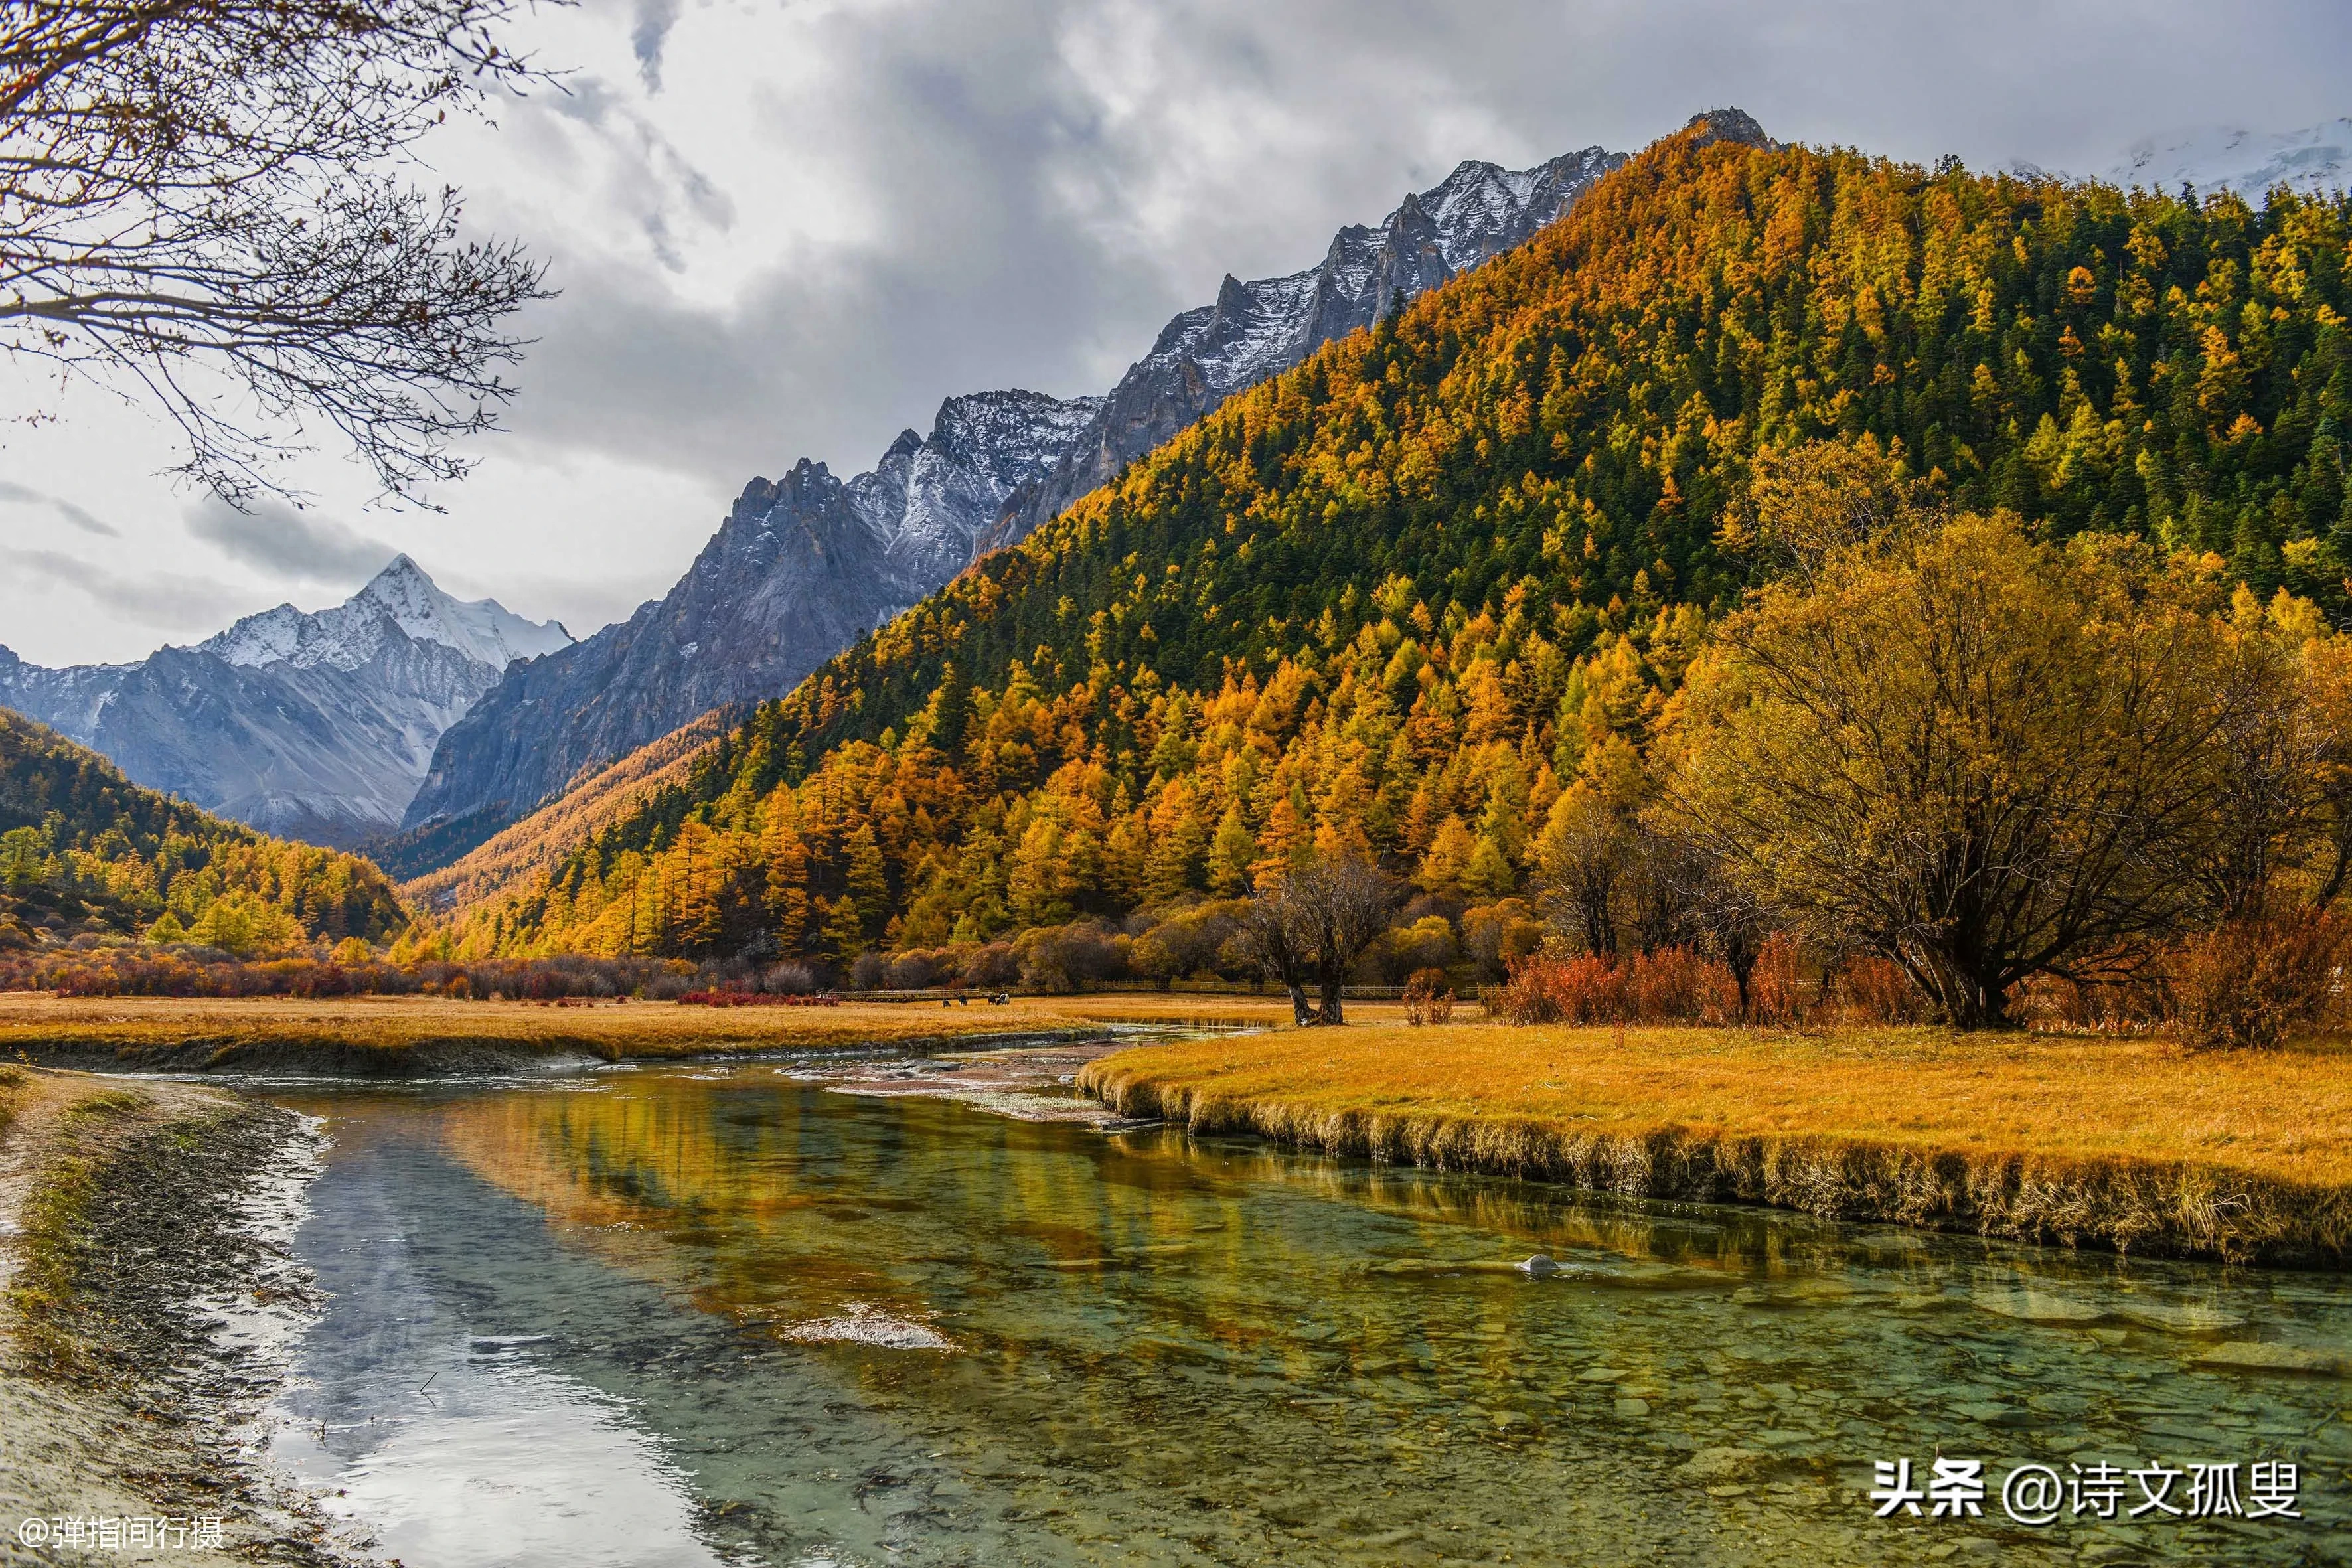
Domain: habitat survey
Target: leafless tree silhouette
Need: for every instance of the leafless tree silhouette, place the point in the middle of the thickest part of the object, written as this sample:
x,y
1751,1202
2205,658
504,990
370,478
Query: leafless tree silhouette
x,y
208,204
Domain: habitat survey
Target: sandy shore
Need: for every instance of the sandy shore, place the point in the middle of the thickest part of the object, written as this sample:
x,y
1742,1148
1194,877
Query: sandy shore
x,y
146,1304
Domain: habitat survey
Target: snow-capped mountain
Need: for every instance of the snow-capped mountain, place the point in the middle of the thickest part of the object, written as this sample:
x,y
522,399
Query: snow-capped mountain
x,y
312,725
799,569
2318,158
929,498
400,597
1257,330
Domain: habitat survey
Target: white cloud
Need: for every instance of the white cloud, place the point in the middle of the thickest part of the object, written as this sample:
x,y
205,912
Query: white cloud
x,y
788,230
276,541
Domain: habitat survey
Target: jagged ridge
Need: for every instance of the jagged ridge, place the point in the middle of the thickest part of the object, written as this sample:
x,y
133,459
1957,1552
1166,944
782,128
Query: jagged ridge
x,y
799,569
311,726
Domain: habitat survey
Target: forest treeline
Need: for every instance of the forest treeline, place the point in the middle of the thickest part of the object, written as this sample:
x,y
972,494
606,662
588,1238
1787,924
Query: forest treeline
x,y
85,852
1428,596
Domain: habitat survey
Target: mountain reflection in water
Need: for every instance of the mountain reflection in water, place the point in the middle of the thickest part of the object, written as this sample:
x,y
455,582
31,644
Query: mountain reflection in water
x,y
692,1315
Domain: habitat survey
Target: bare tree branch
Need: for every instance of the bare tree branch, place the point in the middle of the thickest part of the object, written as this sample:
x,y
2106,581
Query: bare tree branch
x,y
201,196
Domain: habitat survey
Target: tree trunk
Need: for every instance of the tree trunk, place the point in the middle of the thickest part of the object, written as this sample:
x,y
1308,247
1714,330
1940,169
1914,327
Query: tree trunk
x,y
1973,996
1331,1010
1302,1012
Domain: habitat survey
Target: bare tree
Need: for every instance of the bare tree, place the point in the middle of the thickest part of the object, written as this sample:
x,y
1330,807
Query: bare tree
x,y
203,203
1268,923
1978,755
1310,924
1583,854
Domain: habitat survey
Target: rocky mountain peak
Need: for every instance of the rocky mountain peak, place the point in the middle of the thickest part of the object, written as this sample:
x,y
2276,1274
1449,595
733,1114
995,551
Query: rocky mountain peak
x,y
794,574
314,725
1255,330
401,597
1729,126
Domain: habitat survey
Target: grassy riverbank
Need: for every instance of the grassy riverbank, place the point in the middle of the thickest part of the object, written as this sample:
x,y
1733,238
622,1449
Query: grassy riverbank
x,y
397,1035
2124,1143
119,1213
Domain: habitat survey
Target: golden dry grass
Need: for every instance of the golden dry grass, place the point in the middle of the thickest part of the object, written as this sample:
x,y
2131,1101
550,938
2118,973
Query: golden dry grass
x,y
39,1022
2125,1141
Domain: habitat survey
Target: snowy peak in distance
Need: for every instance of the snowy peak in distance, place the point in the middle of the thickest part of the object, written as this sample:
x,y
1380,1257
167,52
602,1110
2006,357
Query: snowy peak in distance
x,y
402,595
483,629
2318,158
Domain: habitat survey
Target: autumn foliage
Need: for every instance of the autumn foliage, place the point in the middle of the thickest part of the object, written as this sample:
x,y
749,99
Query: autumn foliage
x,y
1432,599
84,850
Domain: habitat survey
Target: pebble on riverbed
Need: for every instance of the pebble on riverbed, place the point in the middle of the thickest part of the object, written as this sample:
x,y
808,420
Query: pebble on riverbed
x,y
860,1323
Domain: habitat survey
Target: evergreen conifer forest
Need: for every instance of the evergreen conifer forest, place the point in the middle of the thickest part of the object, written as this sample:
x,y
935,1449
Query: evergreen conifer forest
x,y
1422,599
82,848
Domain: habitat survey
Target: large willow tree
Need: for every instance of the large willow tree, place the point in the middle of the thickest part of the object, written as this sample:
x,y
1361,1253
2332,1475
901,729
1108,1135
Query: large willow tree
x,y
1981,756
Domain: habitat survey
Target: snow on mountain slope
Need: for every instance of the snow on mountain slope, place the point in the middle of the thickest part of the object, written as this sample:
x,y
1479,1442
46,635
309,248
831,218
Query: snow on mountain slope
x,y
802,567
928,500
799,569
1256,330
2318,158
400,597
316,726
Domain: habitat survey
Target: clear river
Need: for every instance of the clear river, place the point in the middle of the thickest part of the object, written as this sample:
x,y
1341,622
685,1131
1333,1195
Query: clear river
x,y
757,1313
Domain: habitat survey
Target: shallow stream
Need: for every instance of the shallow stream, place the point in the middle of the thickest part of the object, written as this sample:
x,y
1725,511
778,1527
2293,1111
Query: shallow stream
x,y
731,1314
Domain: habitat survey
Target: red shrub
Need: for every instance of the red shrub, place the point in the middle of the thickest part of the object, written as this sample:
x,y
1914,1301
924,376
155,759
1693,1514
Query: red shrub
x,y
1876,991
754,999
1676,985
1776,987
1545,989
2255,982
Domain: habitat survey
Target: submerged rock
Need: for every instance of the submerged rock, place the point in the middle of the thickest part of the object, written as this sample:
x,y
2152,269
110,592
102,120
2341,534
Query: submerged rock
x,y
2037,1306
1724,1463
1411,1267
861,1323
2180,1319
2258,1355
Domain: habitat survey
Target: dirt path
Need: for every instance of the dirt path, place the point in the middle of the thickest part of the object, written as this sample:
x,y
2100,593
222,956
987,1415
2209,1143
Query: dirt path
x,y
130,1263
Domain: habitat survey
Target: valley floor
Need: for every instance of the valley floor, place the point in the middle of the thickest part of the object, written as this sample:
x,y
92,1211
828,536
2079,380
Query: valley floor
x,y
420,1035
2129,1143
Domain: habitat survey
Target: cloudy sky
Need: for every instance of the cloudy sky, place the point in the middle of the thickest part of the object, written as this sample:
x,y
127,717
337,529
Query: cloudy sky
x,y
789,227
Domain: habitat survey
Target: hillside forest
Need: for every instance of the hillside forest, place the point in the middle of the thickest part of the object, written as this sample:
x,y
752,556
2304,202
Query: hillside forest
x,y
1432,599
1483,596
85,852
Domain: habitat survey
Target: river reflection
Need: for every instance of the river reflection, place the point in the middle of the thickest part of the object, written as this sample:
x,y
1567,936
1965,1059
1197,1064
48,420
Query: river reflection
x,y
694,1315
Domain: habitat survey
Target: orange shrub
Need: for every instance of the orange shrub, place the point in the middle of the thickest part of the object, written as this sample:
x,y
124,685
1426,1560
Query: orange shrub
x,y
1427,998
1673,986
1547,989
1876,991
1776,987
2256,982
